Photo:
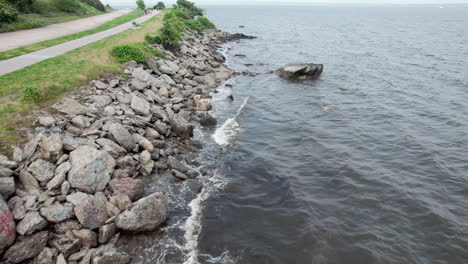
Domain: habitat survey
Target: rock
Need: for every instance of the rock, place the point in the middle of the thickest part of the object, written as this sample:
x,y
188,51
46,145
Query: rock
x,y
180,175
202,103
145,214
53,145
7,186
100,85
147,163
18,210
80,121
30,184
46,256
140,105
108,254
46,121
122,201
167,70
65,188
122,136
102,101
61,259
134,188
143,142
70,107
60,175
91,212
301,71
42,170
111,147
57,212
65,244
151,133
31,223
7,226
26,247
106,232
66,226
31,146
177,165
5,172
91,169
207,120
87,237
180,126
79,255
18,154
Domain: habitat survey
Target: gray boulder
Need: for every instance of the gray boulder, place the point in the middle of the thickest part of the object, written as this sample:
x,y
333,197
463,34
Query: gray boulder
x,y
145,214
91,212
7,225
91,169
7,186
134,188
57,212
30,184
31,222
46,256
70,107
180,126
60,175
106,232
140,105
5,172
26,247
42,170
301,71
122,136
65,244
114,149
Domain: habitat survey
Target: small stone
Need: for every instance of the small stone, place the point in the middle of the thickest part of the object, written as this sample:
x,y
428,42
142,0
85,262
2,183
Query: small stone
x,y
29,183
106,232
143,142
65,226
61,259
122,201
114,149
87,237
91,212
60,175
46,121
140,105
80,121
65,244
122,136
31,222
7,186
42,170
46,256
147,163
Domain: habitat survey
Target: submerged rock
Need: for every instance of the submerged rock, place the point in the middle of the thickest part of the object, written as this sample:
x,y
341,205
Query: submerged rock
x,y
301,71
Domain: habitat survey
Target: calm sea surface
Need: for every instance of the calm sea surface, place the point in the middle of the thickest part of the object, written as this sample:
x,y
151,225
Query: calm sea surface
x,y
368,164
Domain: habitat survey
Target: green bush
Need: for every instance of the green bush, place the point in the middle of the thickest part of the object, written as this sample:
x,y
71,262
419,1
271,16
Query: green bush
x,y
30,94
160,5
68,6
206,23
199,24
96,4
22,5
7,13
190,8
124,53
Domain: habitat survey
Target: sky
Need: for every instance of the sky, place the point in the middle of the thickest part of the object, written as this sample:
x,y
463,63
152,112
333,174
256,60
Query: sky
x,y
201,2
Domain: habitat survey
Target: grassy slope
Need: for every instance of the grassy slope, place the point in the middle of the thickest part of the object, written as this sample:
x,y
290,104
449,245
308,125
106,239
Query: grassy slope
x,y
48,14
48,43
56,76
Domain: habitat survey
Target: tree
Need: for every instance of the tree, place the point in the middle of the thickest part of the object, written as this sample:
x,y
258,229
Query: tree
x,y
22,5
160,6
190,8
141,4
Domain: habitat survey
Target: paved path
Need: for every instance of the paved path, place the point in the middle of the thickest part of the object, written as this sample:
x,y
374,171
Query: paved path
x,y
17,63
13,40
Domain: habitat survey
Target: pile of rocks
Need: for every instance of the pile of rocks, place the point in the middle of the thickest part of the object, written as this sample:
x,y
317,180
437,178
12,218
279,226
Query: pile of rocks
x,y
80,180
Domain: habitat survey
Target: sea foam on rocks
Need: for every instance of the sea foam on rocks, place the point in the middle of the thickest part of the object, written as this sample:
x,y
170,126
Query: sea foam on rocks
x,y
80,179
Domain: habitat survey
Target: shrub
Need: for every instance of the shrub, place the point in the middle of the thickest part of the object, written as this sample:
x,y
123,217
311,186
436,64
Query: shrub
x,y
7,13
141,4
124,53
190,8
22,5
30,94
206,23
199,24
149,50
96,4
68,6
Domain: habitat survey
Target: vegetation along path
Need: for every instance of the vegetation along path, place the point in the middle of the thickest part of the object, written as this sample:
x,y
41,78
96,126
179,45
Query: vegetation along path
x,y
14,64
16,39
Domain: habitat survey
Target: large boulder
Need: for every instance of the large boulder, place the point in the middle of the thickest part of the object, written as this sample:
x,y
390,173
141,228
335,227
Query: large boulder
x,y
7,226
70,107
180,126
91,212
122,136
91,169
140,105
57,213
134,188
26,247
31,222
301,71
145,214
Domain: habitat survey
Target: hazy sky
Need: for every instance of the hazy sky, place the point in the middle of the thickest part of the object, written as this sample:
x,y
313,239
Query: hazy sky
x,y
153,2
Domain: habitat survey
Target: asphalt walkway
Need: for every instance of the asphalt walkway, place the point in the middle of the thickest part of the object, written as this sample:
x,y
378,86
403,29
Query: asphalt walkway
x,y
20,62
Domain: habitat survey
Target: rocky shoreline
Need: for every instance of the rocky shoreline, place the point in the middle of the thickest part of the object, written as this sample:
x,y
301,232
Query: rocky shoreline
x,y
80,180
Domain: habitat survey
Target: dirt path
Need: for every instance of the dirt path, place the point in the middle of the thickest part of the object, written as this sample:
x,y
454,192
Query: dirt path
x,y
17,63
13,40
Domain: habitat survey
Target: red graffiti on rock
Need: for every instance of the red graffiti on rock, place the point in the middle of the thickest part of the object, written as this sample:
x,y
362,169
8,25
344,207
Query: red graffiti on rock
x,y
7,223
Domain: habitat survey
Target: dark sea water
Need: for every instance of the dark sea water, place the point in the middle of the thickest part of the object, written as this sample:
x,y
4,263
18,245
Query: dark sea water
x,y
368,164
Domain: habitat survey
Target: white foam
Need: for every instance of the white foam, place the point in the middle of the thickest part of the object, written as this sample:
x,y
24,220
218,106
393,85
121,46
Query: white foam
x,y
225,134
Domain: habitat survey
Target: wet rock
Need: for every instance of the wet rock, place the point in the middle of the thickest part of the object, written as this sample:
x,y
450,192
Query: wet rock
x,y
70,107
180,175
146,162
26,247
108,254
42,170
177,165
106,232
180,126
46,256
202,103
301,71
7,225
145,214
65,244
87,237
91,212
60,175
207,120
140,105
31,223
111,147
134,188
91,169
122,136
7,186
57,212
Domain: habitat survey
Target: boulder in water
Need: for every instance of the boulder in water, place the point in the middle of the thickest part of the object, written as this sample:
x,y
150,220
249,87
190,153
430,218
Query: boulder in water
x,y
301,71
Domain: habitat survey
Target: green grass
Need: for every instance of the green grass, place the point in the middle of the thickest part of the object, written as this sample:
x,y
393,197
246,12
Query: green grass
x,y
51,78
52,42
